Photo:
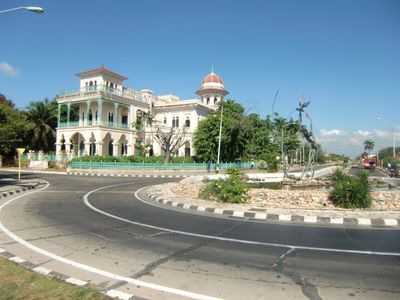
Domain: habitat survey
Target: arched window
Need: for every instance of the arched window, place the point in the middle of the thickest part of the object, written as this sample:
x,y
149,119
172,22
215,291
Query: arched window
x,y
208,100
173,122
177,122
187,148
110,147
215,100
90,117
187,122
165,120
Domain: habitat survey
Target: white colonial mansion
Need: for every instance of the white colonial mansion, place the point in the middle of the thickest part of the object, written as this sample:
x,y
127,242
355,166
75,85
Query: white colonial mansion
x,y
101,117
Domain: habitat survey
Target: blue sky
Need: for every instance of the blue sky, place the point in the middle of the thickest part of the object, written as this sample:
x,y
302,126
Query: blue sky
x,y
344,56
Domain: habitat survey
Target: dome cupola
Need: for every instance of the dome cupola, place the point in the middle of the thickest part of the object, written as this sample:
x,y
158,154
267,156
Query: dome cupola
x,y
212,89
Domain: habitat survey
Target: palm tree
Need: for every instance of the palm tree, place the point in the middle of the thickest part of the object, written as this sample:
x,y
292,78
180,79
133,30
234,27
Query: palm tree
x,y
369,145
43,118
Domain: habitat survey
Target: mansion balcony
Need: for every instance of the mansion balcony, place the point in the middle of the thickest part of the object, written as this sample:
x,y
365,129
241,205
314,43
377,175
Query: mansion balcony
x,y
81,124
100,91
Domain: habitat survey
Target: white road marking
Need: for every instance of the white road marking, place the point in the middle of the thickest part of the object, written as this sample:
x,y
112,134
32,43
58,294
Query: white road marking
x,y
238,214
286,218
17,259
364,221
390,222
310,219
260,216
93,269
218,211
42,270
337,220
119,295
76,281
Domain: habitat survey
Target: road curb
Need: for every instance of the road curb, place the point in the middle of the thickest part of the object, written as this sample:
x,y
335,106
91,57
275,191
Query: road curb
x,y
281,218
113,293
128,175
11,192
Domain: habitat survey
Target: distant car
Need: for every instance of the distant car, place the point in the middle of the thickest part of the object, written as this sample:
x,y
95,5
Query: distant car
x,y
354,165
372,164
394,171
369,164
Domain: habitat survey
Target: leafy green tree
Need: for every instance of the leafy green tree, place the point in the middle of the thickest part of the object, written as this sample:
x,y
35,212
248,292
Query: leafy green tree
x,y
258,135
233,142
386,154
13,128
4,100
43,117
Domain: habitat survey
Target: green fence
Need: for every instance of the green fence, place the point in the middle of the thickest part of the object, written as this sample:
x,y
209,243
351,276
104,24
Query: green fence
x,y
154,166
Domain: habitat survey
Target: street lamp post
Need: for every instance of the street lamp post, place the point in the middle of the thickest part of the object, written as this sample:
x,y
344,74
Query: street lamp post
x,y
35,9
219,138
394,139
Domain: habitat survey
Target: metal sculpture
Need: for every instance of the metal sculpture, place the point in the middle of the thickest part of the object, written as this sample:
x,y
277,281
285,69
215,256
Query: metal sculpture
x,y
309,136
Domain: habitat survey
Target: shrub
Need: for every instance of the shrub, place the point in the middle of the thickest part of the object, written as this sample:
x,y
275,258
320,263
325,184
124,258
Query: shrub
x,y
351,191
182,159
232,190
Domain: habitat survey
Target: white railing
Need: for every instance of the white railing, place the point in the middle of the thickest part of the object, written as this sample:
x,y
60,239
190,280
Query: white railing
x,y
88,91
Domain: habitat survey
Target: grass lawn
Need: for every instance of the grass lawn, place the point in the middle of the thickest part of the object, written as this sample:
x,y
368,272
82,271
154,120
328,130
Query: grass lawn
x,y
17,282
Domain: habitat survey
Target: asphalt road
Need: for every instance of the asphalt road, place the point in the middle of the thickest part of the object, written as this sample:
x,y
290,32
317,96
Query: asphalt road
x,y
373,172
220,257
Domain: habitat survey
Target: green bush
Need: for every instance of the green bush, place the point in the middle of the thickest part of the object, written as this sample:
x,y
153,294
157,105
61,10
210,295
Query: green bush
x,y
182,159
232,190
351,191
24,163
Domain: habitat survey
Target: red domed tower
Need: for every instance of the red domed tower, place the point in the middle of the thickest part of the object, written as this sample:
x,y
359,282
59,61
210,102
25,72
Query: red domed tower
x,y
212,90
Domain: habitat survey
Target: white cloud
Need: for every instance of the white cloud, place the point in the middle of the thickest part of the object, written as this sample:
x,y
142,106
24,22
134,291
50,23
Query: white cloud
x,y
363,133
332,132
8,70
352,142
382,133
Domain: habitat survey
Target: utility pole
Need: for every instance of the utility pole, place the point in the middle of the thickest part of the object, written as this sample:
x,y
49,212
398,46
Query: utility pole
x,y
219,139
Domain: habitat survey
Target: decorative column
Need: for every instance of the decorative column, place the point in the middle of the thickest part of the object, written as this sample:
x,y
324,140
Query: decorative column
x,y
40,155
129,150
31,155
115,114
99,148
59,115
68,112
87,113
87,148
58,151
99,110
58,148
115,149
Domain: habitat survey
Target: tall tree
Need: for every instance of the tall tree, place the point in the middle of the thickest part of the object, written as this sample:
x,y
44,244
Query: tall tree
x,y
43,116
233,141
13,128
4,100
170,140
